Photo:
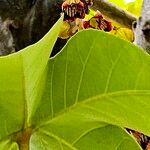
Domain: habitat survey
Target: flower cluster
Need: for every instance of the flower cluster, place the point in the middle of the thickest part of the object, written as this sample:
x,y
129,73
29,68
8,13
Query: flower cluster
x,y
75,9
74,14
98,22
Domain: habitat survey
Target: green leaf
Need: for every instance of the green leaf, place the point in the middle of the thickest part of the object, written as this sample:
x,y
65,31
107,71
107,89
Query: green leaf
x,y
8,145
108,137
120,3
96,78
101,137
20,74
134,7
101,75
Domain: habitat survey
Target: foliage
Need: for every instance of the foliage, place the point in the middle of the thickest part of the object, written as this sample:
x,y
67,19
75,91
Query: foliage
x,y
80,99
133,7
120,3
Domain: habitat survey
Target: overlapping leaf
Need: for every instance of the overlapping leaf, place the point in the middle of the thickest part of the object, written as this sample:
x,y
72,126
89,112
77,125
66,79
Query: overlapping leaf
x,y
20,74
102,75
97,78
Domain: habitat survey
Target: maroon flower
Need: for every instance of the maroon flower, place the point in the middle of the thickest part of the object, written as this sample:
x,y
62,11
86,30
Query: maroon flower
x,y
75,9
98,22
86,24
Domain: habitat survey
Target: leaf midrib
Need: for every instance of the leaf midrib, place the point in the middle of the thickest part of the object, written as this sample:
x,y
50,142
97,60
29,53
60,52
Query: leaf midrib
x,y
25,114
97,97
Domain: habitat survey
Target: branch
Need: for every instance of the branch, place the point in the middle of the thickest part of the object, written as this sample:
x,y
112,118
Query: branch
x,y
114,12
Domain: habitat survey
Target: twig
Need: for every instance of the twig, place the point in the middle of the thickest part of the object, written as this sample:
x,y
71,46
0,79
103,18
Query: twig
x,y
114,12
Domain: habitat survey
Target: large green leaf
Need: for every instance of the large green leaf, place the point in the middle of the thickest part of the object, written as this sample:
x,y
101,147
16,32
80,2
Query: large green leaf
x,y
97,78
20,74
101,75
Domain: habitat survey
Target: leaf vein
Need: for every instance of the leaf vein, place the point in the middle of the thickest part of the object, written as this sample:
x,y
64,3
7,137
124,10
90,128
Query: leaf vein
x,y
111,72
59,139
86,132
65,81
83,70
51,91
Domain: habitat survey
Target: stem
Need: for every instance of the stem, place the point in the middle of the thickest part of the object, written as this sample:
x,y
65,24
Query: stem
x,y
23,139
114,12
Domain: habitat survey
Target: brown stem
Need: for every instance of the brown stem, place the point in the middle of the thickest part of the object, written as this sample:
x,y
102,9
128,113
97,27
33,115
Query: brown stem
x,y
23,139
114,12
